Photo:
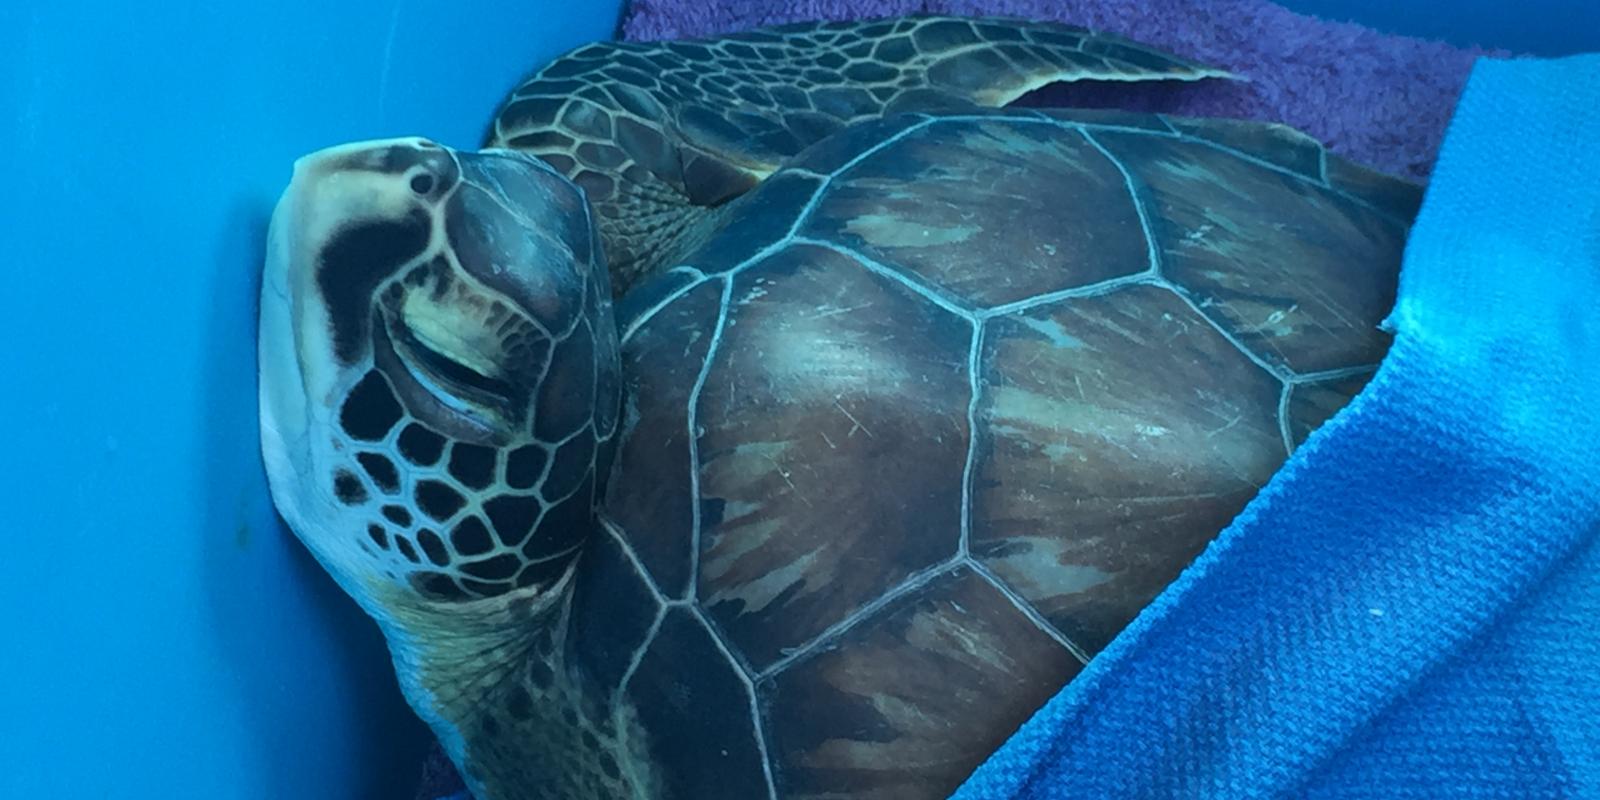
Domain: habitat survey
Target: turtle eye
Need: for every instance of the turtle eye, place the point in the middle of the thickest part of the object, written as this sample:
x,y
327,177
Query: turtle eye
x,y
452,362
459,379
422,183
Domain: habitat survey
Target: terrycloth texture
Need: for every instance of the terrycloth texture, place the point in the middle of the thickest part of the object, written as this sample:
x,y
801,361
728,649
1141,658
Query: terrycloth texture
x,y
1409,608
1378,99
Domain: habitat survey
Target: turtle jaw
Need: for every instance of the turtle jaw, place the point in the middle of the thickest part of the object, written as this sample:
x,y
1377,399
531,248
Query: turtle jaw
x,y
284,404
292,390
303,356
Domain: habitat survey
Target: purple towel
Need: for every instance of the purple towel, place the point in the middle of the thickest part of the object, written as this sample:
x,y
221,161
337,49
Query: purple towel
x,y
1381,100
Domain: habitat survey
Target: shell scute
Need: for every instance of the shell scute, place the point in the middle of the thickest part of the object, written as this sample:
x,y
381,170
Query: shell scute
x,y
873,716
1052,211
831,432
1119,433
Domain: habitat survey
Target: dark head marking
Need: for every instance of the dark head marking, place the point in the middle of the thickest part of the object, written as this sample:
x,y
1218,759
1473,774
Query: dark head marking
x,y
369,248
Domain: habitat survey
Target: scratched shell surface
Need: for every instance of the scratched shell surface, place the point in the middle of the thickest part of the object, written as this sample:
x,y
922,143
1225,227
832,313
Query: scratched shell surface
x,y
945,404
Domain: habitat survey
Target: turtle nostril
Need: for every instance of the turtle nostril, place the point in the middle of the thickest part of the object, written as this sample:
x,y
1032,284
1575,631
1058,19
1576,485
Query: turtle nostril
x,y
422,184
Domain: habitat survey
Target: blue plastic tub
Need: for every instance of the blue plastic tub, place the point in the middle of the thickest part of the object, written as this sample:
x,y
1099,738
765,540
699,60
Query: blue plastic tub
x,y
162,635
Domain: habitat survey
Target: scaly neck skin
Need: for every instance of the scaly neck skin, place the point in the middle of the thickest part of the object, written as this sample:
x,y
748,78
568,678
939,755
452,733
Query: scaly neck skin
x,y
647,244
494,681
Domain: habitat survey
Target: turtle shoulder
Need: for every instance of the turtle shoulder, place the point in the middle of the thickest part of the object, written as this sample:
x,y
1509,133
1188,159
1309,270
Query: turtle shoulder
x,y
941,407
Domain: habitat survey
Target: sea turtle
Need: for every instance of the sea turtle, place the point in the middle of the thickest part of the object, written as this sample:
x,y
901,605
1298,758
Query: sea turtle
x,y
779,415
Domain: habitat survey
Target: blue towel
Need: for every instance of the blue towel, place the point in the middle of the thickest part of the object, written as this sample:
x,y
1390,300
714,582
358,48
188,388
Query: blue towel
x,y
1411,608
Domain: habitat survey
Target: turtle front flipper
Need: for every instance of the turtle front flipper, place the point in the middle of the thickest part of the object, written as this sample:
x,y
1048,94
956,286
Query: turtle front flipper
x,y
658,133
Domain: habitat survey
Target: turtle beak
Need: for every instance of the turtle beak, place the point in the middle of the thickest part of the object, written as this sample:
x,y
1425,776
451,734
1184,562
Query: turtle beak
x,y
406,157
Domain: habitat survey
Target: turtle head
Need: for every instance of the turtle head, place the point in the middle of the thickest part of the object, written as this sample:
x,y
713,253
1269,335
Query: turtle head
x,y
439,371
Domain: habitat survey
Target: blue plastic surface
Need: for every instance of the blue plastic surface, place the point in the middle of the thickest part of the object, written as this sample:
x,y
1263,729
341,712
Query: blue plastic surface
x,y
161,635
1539,27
